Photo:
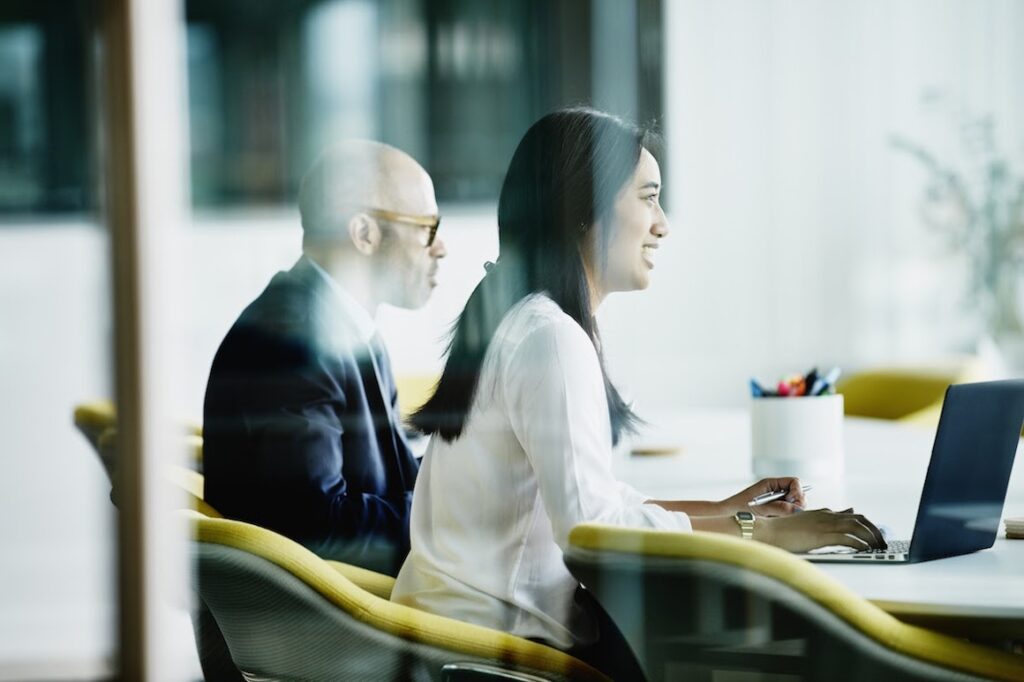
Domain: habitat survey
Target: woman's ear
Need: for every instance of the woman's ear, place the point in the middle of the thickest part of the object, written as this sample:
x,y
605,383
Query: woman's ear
x,y
365,233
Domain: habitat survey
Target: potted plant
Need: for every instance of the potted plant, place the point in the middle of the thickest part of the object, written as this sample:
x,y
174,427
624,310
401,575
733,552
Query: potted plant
x,y
977,205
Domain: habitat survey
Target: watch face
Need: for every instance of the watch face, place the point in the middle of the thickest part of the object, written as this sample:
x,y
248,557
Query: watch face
x,y
745,515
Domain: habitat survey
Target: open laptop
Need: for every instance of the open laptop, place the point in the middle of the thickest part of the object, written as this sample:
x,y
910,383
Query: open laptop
x,y
968,475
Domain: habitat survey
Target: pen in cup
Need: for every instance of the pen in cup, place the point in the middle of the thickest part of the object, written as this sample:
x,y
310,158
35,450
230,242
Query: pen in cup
x,y
764,498
825,384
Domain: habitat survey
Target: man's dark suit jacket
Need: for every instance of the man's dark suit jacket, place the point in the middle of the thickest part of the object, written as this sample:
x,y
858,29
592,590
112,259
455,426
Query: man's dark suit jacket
x,y
300,427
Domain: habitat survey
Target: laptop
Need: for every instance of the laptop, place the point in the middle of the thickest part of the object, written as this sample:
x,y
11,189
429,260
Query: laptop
x,y
962,499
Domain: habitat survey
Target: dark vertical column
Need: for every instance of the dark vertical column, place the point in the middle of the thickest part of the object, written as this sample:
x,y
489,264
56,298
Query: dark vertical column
x,y
121,214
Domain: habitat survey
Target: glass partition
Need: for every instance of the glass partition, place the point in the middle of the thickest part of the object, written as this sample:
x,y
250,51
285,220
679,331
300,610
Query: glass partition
x,y
836,186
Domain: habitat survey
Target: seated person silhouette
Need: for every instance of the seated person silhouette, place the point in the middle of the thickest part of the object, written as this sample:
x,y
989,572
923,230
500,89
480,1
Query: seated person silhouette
x,y
301,427
524,418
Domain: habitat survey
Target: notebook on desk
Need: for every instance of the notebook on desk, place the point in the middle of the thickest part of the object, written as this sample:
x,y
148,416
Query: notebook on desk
x,y
964,490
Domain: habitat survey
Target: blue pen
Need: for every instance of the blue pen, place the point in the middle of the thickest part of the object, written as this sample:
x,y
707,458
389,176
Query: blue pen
x,y
755,389
826,382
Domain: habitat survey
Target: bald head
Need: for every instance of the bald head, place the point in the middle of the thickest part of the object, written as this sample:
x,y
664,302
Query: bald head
x,y
369,218
360,174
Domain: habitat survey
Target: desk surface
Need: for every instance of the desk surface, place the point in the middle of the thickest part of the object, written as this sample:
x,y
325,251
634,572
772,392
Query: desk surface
x,y
885,466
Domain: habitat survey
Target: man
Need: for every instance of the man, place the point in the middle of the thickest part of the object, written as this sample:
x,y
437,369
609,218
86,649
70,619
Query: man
x,y
301,426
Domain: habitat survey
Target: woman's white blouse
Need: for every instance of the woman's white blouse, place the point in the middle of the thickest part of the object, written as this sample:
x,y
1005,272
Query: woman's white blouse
x,y
492,510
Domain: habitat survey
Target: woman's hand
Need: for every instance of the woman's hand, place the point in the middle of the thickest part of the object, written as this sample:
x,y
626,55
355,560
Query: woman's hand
x,y
792,502
819,528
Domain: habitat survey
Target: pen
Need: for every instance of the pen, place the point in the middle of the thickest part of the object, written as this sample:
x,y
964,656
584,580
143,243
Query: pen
x,y
826,382
772,496
810,380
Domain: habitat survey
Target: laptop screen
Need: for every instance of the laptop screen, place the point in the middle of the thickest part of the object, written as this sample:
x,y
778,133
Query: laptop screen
x,y
977,439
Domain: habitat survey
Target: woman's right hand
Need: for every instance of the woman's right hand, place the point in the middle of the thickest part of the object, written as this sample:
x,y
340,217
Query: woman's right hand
x,y
812,529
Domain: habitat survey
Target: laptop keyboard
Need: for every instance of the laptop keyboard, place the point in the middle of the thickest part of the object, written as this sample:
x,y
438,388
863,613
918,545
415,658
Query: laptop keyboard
x,y
895,547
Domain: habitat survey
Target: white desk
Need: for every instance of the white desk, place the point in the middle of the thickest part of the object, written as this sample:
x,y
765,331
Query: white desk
x,y
980,594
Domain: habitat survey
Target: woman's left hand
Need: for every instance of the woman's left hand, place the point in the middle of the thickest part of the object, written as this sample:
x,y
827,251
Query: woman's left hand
x,y
792,502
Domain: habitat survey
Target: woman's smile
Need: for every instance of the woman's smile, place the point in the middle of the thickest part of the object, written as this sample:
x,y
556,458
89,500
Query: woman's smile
x,y
647,252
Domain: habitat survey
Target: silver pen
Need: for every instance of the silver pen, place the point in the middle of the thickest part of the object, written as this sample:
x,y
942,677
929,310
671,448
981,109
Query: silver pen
x,y
774,495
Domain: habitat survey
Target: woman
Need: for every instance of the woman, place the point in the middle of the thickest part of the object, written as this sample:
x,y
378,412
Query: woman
x,y
525,417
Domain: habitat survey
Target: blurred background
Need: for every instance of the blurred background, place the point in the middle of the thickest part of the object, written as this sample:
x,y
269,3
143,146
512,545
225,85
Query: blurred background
x,y
844,180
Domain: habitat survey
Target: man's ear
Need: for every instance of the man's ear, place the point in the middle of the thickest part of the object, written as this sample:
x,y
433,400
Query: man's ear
x,y
365,233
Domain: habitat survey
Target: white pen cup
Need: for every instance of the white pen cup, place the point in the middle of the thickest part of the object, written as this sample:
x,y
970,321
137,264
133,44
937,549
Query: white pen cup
x,y
797,437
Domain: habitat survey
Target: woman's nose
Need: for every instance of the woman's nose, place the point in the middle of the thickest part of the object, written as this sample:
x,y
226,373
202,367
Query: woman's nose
x,y
660,228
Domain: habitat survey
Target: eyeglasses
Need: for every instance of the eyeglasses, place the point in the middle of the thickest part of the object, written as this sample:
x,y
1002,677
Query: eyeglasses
x,y
427,222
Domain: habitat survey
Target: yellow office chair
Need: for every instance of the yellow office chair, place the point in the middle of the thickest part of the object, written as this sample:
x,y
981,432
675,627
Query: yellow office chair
x,y
287,614
214,655
413,391
98,423
187,480
98,415
912,393
692,605
94,418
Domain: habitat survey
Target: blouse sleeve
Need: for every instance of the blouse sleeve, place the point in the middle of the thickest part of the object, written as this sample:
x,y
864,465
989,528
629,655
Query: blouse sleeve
x,y
555,397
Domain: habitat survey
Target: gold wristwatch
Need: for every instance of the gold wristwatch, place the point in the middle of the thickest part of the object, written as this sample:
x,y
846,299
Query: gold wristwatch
x,y
746,521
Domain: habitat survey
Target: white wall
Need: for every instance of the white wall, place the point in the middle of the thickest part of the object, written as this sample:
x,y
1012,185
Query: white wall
x,y
57,596
795,234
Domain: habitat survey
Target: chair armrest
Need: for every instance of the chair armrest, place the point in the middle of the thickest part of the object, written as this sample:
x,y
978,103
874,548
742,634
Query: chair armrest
x,y
377,584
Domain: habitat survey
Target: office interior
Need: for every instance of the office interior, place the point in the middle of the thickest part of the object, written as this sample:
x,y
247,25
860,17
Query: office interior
x,y
821,164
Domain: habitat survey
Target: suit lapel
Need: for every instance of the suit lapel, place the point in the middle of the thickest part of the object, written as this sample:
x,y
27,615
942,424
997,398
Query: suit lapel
x,y
375,375
381,377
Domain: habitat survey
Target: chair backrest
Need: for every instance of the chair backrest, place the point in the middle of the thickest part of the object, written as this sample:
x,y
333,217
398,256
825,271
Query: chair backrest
x,y
93,419
188,481
98,417
703,602
899,392
287,614
413,391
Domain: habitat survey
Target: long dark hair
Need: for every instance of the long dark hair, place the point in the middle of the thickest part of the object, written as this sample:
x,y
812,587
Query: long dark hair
x,y
562,180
